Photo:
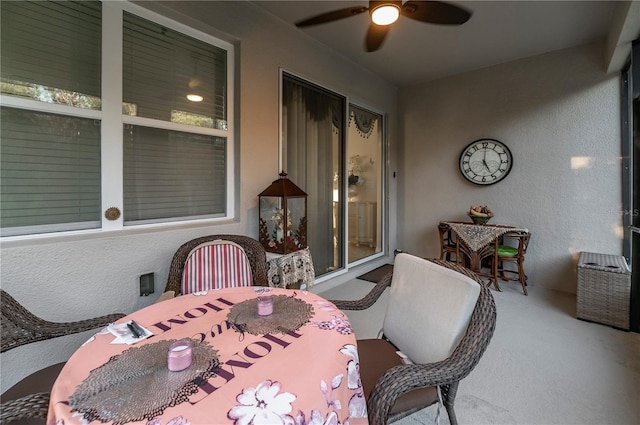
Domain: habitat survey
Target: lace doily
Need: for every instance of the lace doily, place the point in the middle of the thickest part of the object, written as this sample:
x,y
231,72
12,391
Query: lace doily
x,y
289,314
137,384
477,237
291,270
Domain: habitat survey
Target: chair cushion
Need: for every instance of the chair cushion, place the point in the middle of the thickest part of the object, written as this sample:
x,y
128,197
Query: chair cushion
x,y
429,308
38,382
215,265
376,356
507,251
166,296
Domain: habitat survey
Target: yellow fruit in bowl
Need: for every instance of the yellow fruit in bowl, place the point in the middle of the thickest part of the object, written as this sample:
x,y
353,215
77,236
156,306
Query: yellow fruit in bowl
x,y
480,211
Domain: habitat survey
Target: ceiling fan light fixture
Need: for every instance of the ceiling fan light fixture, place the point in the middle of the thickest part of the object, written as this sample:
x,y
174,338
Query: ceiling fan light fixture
x,y
195,97
385,14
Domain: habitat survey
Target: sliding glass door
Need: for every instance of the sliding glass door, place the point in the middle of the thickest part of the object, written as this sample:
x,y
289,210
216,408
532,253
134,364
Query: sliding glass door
x,y
336,155
365,183
631,181
312,145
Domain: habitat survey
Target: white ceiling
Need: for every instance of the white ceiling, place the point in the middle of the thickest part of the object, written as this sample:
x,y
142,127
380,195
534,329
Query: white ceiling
x,y
498,32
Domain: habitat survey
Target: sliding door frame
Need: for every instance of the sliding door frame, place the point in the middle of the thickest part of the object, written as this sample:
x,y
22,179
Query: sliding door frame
x,y
342,214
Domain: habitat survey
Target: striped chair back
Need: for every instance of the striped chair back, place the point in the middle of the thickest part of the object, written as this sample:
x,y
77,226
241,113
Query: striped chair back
x,y
215,265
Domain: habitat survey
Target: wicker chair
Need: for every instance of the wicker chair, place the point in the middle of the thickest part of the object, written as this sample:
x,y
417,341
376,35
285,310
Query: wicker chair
x,y
402,389
252,248
447,242
510,254
27,402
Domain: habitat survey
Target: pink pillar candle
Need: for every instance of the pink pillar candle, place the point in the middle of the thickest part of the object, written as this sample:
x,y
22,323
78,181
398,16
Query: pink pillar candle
x,y
265,306
179,356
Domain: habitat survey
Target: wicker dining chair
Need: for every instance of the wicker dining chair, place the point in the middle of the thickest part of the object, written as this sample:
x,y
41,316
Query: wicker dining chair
x,y
508,253
394,389
27,402
252,248
447,242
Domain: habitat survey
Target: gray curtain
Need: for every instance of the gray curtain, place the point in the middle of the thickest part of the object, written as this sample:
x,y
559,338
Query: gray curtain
x,y
312,124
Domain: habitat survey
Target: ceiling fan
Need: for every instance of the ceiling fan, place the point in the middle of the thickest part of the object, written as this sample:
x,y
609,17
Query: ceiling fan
x,y
385,13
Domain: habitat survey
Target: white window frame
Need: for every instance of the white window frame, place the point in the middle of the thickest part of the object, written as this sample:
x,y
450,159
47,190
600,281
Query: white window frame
x,y
113,121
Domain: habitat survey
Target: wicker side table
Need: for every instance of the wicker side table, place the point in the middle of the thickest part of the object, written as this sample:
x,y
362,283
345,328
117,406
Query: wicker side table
x,y
604,289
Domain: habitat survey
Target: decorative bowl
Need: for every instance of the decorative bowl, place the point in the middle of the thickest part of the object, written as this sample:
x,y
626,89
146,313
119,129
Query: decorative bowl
x,y
479,220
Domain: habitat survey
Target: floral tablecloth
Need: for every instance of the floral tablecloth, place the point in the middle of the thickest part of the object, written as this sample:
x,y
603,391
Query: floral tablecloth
x,y
304,376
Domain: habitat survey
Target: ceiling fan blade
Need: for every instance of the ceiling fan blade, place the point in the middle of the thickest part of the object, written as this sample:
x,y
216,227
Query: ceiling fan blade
x,y
435,12
332,16
375,36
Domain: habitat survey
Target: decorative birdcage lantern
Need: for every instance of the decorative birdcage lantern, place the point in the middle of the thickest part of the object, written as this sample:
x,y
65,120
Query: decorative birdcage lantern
x,y
283,217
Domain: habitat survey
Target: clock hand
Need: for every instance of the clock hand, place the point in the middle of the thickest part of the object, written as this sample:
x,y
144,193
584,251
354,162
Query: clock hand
x,y
484,160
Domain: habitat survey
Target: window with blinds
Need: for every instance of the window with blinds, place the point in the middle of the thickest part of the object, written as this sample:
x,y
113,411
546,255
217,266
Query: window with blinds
x,y
50,162
173,134
172,175
161,67
50,172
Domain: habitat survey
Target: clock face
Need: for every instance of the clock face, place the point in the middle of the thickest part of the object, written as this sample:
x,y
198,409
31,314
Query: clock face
x,y
485,161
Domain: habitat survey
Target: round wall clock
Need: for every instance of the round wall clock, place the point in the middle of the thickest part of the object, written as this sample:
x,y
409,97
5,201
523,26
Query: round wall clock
x,y
485,161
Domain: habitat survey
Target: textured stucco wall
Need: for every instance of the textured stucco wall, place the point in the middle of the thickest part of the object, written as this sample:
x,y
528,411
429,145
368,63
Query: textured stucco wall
x,y
559,113
70,278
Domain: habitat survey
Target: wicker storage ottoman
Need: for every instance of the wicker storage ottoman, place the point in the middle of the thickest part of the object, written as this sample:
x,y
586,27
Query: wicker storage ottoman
x,y
604,289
